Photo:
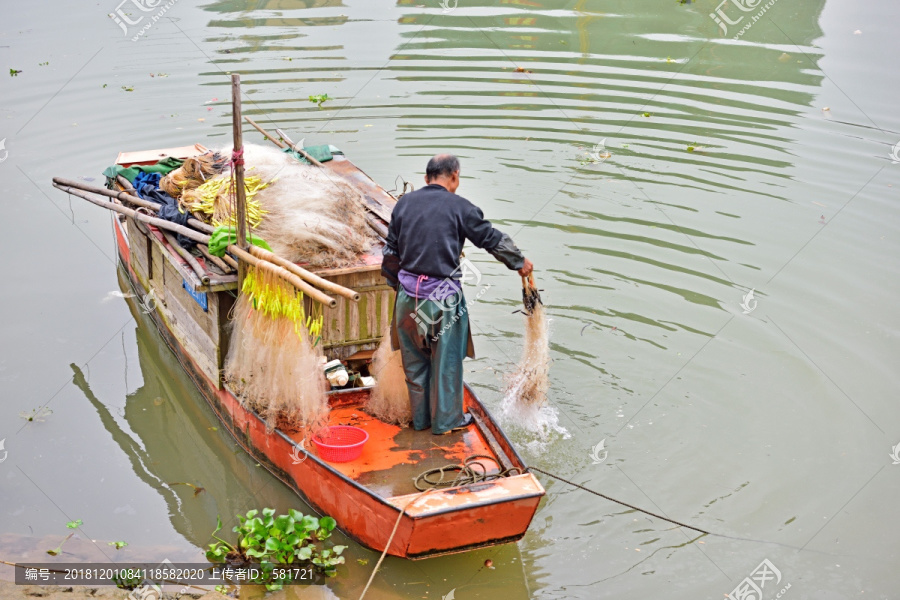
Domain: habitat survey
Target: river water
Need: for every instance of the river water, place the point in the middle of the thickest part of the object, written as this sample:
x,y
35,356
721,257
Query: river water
x,y
654,168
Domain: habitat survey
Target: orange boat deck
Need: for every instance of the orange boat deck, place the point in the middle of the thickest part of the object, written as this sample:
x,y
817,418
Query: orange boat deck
x,y
394,456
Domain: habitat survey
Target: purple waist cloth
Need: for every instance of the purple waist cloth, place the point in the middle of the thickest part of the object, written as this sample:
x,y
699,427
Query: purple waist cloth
x,y
431,288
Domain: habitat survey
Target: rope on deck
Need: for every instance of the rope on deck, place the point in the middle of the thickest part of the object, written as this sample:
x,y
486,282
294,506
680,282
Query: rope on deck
x,y
471,470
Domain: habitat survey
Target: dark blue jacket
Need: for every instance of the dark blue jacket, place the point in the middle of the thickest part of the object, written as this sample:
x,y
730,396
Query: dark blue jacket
x,y
428,229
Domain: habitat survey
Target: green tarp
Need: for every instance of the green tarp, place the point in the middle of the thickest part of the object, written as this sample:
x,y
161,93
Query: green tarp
x,y
321,153
163,167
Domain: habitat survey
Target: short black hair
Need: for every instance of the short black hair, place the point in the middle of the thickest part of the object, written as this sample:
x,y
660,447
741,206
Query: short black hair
x,y
441,165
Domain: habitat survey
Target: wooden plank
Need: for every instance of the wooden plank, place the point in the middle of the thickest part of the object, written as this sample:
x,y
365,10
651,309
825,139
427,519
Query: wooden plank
x,y
153,156
175,289
191,335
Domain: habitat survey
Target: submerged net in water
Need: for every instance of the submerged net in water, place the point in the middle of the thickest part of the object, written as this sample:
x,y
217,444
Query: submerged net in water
x,y
273,366
529,383
389,400
525,403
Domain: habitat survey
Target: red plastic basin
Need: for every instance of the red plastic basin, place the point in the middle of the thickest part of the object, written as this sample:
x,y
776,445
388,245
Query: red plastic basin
x,y
340,443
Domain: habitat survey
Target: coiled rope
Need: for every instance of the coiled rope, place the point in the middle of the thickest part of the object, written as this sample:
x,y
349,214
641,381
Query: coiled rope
x,y
472,470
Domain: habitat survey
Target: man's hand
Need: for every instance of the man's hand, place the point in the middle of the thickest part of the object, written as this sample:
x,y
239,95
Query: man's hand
x,y
527,268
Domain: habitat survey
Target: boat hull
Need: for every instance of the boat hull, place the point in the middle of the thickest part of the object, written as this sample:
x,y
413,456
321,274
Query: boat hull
x,y
416,525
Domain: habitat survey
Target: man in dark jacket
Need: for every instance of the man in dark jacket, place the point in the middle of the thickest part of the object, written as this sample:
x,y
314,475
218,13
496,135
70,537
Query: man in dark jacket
x,y
422,262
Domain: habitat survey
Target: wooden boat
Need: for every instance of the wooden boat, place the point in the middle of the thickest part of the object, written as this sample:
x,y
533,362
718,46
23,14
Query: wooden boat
x,y
373,498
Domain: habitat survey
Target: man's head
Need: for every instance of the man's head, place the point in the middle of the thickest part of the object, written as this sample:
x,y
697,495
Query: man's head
x,y
443,169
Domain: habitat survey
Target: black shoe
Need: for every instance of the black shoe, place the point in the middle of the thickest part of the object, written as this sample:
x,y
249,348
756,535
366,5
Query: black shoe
x,y
467,420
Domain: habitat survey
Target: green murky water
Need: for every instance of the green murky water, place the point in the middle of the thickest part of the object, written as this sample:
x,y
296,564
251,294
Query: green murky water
x,y
654,169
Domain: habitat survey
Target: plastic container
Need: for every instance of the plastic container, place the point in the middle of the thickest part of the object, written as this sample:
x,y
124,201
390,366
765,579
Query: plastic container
x,y
341,443
336,373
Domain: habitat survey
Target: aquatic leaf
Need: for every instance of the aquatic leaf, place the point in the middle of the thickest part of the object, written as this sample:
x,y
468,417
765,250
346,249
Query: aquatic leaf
x,y
295,514
13,73
284,523
75,524
309,523
118,545
327,523
304,553
319,99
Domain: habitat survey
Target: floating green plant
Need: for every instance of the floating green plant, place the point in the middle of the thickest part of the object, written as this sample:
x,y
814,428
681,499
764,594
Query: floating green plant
x,y
319,99
58,549
277,540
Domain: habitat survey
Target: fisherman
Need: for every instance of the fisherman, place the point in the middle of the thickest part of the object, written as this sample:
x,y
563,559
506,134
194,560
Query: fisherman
x,y
422,263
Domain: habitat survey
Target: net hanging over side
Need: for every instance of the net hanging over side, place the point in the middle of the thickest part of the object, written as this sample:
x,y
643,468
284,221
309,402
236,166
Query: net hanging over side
x,y
389,400
274,361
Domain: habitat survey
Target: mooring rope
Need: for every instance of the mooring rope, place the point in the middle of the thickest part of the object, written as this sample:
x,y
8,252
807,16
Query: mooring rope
x,y
391,539
631,506
674,522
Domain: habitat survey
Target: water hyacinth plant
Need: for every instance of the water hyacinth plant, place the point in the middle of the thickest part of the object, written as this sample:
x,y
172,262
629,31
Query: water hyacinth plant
x,y
278,540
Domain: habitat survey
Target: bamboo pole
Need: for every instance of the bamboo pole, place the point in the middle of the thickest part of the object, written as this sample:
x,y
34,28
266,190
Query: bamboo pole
x,y
187,256
299,271
297,149
238,166
233,263
265,133
126,185
245,256
283,273
126,197
161,223
204,250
